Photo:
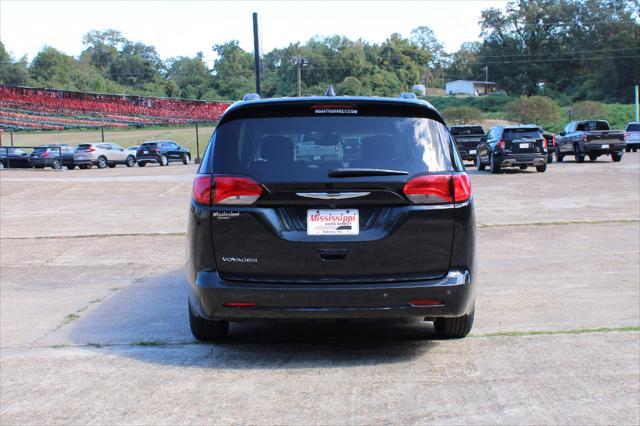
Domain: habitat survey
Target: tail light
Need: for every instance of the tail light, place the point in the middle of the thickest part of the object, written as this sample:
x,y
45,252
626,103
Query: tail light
x,y
226,190
44,154
553,140
626,136
202,190
585,138
501,144
435,189
545,144
155,150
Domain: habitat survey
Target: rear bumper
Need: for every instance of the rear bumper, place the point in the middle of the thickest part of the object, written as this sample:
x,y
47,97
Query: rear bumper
x,y
209,292
467,152
529,159
147,159
596,148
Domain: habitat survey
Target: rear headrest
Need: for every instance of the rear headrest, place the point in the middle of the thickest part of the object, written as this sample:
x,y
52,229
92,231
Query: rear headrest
x,y
277,149
377,147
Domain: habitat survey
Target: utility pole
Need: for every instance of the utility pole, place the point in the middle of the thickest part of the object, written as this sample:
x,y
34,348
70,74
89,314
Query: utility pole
x,y
637,108
299,61
256,50
486,73
197,160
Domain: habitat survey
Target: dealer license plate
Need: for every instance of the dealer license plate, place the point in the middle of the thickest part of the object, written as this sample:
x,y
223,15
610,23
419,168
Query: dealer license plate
x,y
333,222
472,151
605,146
524,145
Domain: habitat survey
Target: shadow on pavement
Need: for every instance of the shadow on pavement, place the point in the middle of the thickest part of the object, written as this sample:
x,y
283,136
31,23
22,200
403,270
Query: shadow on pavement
x,y
148,321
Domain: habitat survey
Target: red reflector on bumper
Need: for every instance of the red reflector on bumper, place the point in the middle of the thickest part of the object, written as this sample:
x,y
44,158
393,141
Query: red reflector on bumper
x,y
425,302
240,305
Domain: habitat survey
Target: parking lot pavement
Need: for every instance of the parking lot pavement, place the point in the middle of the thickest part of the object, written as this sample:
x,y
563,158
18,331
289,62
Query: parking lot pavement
x,y
93,322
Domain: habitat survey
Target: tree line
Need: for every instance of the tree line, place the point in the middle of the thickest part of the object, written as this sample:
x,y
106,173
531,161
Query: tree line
x,y
569,50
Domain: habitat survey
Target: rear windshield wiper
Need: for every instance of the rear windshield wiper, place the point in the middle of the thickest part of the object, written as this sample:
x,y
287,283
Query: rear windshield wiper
x,y
338,173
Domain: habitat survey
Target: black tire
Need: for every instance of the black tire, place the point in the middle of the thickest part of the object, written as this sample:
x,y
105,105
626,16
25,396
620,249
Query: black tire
x,y
550,158
495,168
112,165
142,163
577,153
559,157
56,165
616,156
635,149
454,328
593,157
71,167
479,164
627,149
163,160
131,161
542,168
101,162
523,167
2,166
185,159
204,329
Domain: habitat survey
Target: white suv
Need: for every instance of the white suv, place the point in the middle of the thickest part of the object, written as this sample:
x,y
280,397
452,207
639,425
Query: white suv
x,y
102,154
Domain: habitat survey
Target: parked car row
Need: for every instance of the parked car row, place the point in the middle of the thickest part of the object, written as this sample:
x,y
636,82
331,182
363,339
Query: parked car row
x,y
99,154
529,145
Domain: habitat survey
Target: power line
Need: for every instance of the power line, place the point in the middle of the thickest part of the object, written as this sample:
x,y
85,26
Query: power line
x,y
563,53
560,59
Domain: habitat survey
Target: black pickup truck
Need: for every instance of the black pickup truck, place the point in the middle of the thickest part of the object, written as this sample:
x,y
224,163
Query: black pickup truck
x,y
467,139
591,138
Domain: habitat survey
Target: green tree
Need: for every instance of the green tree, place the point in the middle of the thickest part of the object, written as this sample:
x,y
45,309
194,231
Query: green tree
x,y
586,110
233,70
462,114
350,86
538,110
12,72
102,48
190,75
51,67
136,65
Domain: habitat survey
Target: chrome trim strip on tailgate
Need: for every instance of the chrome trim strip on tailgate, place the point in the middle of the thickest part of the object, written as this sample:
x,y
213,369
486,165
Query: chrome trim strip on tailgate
x,y
332,195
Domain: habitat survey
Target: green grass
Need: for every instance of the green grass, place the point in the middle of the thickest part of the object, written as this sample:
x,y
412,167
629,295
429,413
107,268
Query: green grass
x,y
185,136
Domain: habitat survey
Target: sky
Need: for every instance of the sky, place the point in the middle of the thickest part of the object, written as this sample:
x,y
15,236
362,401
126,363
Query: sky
x,y
182,28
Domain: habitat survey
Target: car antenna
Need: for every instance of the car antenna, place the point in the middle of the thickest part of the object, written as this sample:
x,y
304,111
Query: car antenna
x,y
330,91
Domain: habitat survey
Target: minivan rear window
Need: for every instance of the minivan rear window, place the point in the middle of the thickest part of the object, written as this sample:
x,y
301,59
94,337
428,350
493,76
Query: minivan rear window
x,y
471,130
633,127
304,149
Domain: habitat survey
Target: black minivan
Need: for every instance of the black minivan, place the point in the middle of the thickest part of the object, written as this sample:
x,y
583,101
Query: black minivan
x,y
387,232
